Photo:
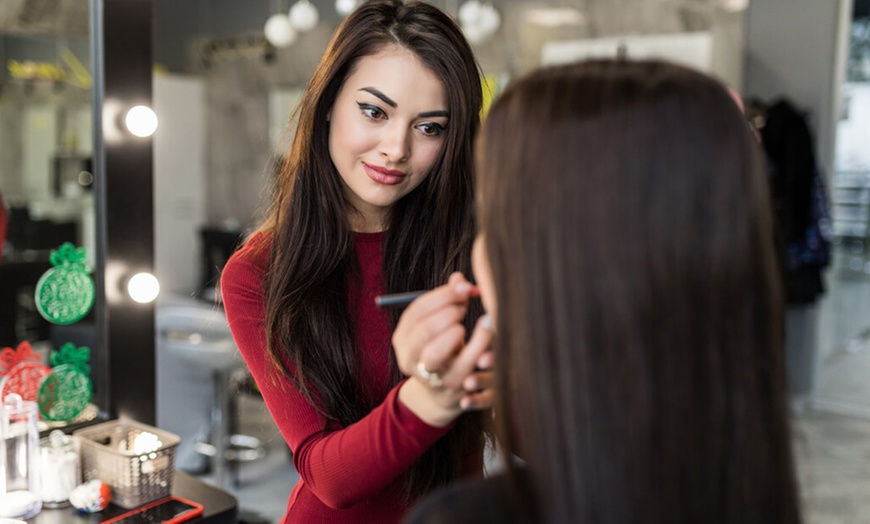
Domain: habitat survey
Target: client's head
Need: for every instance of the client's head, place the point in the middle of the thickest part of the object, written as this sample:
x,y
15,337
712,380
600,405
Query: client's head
x,y
626,253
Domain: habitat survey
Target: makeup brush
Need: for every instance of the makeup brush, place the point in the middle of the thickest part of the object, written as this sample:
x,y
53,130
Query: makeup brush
x,y
403,299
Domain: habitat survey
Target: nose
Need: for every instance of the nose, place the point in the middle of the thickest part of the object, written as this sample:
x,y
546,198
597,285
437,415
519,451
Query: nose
x,y
396,144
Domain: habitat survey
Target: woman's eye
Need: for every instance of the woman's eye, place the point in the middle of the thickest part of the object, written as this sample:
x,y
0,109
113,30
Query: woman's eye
x,y
431,129
372,112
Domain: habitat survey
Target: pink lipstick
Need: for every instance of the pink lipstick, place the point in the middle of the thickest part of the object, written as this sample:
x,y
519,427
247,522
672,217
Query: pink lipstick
x,y
382,175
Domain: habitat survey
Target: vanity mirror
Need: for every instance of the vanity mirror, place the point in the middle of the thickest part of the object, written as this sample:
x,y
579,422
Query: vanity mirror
x,y
47,177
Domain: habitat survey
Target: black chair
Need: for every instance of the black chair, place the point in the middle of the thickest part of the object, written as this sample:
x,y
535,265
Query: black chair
x,y
217,246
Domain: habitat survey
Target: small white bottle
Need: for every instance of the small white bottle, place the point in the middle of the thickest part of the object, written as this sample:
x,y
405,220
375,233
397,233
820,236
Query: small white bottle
x,y
61,468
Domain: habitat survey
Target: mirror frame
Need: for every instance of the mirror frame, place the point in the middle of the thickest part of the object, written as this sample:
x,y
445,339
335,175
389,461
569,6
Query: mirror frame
x,y
121,61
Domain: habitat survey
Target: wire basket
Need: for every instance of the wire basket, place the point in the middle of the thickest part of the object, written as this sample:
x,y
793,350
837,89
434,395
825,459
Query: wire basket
x,y
136,460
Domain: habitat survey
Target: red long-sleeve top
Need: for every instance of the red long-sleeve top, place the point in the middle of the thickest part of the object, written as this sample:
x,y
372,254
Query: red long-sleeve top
x,y
349,474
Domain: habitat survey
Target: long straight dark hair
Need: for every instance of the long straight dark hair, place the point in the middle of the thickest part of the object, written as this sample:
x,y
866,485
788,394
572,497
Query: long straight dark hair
x,y
309,327
639,333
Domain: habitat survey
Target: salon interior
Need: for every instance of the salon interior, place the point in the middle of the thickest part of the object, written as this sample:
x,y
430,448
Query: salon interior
x,y
144,134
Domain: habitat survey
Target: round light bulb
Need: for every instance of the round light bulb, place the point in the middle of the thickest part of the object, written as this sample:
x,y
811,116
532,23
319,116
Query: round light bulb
x,y
489,19
304,16
344,7
469,13
141,121
143,287
279,31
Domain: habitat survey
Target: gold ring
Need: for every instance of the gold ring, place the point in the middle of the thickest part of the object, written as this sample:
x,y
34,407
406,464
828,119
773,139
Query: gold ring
x,y
431,377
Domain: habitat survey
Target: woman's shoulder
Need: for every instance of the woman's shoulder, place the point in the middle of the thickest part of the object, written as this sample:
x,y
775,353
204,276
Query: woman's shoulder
x,y
249,262
478,501
255,250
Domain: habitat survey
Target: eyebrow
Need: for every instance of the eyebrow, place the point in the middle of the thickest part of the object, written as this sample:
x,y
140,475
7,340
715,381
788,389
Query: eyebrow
x,y
430,114
390,102
387,100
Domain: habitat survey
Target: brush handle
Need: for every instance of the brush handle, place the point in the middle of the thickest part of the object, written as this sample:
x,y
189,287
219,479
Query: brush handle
x,y
397,299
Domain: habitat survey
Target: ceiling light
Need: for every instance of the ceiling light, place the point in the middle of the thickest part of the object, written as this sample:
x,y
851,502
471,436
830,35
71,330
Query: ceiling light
x,y
304,16
344,7
469,13
478,21
489,19
279,31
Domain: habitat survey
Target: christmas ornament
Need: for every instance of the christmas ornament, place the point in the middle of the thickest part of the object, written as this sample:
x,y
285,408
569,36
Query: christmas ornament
x,y
24,379
65,293
9,358
91,497
67,391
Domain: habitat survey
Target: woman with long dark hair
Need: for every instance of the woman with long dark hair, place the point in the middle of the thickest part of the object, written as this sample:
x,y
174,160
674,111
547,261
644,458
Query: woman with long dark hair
x,y
375,196
625,254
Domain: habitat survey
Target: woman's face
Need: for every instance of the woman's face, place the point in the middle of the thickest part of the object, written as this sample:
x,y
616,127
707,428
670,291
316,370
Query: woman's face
x,y
387,127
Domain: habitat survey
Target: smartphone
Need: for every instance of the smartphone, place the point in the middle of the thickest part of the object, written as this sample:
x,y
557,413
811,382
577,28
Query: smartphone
x,y
169,510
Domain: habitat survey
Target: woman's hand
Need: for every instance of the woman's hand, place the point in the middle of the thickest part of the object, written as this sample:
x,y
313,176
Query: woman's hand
x,y
448,375
478,385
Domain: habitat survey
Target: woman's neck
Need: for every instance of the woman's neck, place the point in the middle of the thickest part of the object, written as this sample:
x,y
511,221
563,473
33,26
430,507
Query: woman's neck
x,y
360,223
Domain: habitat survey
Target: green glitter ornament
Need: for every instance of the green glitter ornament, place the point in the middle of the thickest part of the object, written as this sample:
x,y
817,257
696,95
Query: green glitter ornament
x,y
67,391
65,293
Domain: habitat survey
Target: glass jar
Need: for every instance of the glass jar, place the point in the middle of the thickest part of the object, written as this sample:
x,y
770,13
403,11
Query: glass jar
x,y
61,468
19,457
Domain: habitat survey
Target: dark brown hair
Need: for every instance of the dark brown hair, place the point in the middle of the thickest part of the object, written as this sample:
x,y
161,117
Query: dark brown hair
x,y
639,339
429,234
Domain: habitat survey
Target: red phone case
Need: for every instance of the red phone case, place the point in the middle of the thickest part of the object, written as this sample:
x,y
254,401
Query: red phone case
x,y
194,510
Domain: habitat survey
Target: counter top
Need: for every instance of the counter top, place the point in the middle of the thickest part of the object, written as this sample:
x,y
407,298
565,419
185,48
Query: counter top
x,y
219,506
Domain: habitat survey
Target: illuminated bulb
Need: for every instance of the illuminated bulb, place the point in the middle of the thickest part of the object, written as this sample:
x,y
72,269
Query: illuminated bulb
x,y
143,287
279,31
489,19
344,7
469,13
141,121
303,16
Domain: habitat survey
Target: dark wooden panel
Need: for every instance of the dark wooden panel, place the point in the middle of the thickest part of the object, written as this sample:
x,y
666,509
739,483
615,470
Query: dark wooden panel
x,y
127,222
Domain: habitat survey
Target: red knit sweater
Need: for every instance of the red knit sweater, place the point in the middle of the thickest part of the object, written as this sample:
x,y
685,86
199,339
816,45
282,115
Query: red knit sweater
x,y
347,475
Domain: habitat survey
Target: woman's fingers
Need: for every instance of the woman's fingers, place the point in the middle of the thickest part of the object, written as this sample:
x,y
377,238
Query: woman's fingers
x,y
427,317
440,350
478,380
478,388
466,359
476,401
432,327
486,361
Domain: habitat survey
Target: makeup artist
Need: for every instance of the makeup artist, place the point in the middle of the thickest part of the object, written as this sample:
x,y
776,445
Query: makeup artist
x,y
375,196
